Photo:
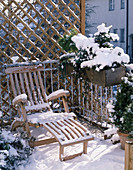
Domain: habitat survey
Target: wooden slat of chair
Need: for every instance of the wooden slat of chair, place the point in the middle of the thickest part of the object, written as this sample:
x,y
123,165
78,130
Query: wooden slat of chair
x,y
74,123
33,88
13,85
41,84
76,129
22,82
72,130
63,130
69,129
60,131
79,125
38,88
17,84
28,88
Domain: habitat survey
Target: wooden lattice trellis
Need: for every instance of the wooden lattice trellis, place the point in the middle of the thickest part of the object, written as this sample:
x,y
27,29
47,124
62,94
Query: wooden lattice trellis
x,y
30,29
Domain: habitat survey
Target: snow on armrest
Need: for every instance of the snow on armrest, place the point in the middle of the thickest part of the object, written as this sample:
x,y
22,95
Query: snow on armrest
x,y
57,94
20,98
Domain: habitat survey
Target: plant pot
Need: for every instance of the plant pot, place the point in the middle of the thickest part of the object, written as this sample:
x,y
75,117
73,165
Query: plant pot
x,y
123,139
106,77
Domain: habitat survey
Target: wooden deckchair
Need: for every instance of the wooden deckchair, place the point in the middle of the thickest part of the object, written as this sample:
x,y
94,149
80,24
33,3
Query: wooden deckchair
x,y
29,92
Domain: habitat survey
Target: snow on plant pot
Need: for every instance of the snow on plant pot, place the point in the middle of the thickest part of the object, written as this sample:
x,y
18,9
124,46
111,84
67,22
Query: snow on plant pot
x,y
122,112
97,53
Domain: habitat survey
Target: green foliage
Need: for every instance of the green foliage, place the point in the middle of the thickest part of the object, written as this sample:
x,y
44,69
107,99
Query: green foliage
x,y
123,115
66,43
103,39
81,56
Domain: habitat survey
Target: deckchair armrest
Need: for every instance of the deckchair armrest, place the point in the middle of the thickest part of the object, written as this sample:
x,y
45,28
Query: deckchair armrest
x,y
58,93
22,98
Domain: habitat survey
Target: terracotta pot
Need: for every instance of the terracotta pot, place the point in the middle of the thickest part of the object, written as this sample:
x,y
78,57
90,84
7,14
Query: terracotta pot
x,y
123,139
106,77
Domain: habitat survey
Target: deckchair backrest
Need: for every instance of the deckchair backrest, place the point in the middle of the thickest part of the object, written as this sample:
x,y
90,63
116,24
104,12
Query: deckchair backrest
x,y
28,80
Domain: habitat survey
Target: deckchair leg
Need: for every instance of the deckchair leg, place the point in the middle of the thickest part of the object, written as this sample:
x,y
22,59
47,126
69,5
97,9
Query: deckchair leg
x,y
85,144
61,152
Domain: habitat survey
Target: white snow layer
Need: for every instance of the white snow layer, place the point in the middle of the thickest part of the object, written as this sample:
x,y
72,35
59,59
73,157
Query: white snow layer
x,y
57,92
37,107
19,97
8,136
110,132
12,151
115,138
110,107
104,56
101,155
49,116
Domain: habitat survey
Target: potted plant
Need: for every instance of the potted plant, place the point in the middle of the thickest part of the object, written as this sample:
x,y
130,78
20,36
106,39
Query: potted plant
x,y
68,46
122,112
96,56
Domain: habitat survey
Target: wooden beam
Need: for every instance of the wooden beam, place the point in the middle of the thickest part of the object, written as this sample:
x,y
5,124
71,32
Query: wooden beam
x,y
42,142
82,16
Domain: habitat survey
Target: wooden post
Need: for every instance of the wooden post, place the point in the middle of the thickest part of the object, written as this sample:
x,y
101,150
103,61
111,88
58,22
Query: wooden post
x,y
127,148
129,155
82,16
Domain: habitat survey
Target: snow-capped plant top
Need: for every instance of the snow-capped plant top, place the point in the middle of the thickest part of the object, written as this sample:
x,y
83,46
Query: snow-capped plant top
x,y
105,30
100,51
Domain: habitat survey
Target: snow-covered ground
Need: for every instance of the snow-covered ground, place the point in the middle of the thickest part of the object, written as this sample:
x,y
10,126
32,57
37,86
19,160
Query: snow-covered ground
x,y
102,155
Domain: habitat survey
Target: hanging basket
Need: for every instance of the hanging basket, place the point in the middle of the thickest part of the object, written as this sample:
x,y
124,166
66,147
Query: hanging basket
x,y
106,77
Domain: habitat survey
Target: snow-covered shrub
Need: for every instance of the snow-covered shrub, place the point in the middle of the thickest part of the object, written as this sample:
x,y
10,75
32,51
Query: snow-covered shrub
x,y
122,110
95,52
13,150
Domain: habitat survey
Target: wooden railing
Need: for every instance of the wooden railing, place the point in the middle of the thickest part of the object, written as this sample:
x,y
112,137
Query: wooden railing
x,y
90,105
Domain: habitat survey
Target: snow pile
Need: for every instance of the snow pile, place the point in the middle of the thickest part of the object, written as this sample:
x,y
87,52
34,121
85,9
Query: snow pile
x,y
110,132
101,155
100,56
8,137
106,57
110,106
115,138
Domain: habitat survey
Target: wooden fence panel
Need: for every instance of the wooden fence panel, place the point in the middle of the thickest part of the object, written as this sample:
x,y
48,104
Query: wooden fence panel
x,y
30,29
